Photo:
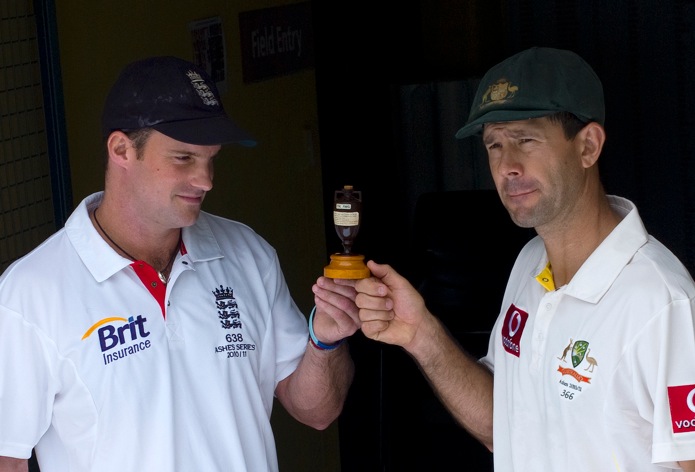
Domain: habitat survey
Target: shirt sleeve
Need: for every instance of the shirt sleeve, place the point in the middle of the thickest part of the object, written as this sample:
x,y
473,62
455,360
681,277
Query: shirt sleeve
x,y
27,385
290,331
652,389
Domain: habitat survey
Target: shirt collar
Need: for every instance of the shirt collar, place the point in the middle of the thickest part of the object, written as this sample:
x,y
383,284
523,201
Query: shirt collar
x,y
102,261
599,271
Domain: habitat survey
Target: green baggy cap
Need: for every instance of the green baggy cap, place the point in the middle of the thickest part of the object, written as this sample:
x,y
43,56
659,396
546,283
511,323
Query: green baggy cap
x,y
534,83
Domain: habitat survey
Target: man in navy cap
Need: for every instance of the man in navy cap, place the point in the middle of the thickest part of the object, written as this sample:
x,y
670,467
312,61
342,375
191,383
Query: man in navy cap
x,y
148,335
593,284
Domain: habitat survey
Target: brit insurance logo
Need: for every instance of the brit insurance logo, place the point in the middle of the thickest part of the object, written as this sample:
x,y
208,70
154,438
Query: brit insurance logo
x,y
234,344
119,337
681,400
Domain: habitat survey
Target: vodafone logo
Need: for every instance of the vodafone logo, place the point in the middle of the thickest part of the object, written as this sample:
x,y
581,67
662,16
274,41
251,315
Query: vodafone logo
x,y
514,323
513,328
681,400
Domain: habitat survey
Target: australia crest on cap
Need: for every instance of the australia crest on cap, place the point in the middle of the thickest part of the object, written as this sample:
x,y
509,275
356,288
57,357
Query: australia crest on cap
x,y
498,93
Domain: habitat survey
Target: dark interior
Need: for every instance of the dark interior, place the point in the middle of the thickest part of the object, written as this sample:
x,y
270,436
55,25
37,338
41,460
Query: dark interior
x,y
387,119
462,281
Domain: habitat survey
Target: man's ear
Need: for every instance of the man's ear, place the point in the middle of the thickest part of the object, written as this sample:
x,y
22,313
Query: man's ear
x,y
591,139
120,148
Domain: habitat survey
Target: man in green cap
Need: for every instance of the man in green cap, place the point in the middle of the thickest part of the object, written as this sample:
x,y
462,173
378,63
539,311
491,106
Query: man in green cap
x,y
590,363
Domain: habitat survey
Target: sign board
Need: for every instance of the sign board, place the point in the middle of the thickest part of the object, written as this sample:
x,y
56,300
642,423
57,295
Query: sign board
x,y
276,41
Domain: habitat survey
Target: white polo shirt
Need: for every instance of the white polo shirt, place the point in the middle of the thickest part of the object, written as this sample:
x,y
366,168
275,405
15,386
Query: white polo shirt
x,y
95,375
598,375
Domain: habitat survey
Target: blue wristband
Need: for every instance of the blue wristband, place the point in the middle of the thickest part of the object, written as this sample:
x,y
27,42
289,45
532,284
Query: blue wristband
x,y
314,339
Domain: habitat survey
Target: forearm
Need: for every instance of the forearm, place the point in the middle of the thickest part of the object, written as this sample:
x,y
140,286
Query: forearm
x,y
315,393
463,385
10,464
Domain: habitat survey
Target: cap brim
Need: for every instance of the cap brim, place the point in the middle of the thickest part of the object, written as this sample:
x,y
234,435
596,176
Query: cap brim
x,y
206,132
499,116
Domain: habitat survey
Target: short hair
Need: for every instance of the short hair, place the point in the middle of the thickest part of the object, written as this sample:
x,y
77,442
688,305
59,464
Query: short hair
x,y
139,138
571,125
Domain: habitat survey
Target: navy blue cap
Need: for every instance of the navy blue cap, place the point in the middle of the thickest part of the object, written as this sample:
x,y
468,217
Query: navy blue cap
x,y
173,96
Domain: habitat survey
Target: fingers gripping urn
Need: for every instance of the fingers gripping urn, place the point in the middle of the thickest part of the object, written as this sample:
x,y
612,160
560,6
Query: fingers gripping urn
x,y
347,205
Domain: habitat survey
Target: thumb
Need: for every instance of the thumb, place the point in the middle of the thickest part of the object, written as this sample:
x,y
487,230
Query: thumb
x,y
385,273
378,270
